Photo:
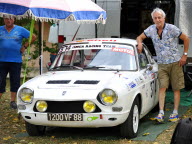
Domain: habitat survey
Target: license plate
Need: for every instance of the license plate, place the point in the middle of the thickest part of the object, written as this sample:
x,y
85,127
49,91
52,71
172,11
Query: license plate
x,y
64,117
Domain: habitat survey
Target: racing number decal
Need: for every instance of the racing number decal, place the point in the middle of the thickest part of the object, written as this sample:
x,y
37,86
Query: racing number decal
x,y
153,88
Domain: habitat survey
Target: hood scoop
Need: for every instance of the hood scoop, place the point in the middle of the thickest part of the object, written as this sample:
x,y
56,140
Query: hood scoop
x,y
58,82
86,82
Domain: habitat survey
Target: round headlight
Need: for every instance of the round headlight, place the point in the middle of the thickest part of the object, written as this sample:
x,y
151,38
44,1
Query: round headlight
x,y
89,106
41,106
26,95
108,97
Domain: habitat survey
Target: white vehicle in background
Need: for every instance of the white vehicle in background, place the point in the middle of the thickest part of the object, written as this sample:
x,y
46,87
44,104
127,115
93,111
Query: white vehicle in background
x,y
92,83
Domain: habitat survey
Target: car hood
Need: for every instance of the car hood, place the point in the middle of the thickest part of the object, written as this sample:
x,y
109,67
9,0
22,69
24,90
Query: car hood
x,y
75,79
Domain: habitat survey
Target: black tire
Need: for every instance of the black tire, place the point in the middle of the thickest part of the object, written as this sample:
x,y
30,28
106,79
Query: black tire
x,y
34,130
129,129
183,132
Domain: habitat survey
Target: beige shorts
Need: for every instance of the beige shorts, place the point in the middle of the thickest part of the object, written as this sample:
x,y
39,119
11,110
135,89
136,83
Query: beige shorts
x,y
171,73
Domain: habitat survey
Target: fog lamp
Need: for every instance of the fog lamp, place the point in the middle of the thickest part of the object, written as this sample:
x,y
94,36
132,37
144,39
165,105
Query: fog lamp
x,y
89,106
41,106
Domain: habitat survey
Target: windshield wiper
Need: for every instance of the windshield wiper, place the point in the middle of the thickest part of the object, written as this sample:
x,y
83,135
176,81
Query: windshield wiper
x,y
80,68
94,67
100,67
66,66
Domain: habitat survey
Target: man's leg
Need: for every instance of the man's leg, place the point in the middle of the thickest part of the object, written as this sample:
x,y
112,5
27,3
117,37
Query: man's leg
x,y
13,104
160,117
174,116
15,71
3,75
163,77
177,83
13,96
176,99
162,98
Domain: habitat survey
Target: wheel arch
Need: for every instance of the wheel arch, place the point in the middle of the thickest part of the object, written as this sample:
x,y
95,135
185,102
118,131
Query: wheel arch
x,y
129,129
138,96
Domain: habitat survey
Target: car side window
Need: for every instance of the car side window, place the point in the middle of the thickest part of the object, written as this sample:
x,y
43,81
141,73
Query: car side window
x,y
143,61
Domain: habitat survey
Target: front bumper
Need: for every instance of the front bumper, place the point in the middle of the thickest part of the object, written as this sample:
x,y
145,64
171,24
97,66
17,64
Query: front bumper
x,y
89,120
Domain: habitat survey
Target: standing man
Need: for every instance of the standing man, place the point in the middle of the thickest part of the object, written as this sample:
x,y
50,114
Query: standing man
x,y
165,38
11,50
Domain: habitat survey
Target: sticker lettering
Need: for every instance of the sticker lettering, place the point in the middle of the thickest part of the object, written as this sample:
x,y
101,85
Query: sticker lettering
x,y
123,50
132,85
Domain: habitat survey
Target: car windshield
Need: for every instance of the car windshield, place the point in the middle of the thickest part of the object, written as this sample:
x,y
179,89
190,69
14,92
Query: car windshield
x,y
97,57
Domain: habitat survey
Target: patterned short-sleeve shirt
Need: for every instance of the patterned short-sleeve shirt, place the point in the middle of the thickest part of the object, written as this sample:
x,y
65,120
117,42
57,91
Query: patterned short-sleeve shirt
x,y
165,45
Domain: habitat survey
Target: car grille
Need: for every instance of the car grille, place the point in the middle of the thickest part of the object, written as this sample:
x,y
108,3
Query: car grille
x,y
66,107
86,82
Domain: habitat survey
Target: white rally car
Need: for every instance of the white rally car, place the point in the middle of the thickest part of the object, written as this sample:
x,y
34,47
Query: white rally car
x,y
92,83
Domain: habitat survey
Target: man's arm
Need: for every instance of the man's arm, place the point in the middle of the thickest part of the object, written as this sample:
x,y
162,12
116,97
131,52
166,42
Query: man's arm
x,y
139,42
27,43
185,39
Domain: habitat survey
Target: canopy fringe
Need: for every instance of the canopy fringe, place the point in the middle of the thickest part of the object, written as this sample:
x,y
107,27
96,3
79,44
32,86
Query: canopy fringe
x,y
71,17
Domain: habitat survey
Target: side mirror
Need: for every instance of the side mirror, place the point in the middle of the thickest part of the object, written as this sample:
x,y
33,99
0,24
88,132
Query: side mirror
x,y
149,67
48,65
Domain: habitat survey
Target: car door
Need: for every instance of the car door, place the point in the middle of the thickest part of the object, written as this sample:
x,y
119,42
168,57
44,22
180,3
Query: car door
x,y
149,86
154,74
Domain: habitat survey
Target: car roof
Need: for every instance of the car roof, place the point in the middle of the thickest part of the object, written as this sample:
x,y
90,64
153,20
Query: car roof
x,y
100,40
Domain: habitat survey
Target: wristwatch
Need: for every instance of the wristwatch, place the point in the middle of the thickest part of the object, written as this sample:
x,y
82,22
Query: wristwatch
x,y
184,53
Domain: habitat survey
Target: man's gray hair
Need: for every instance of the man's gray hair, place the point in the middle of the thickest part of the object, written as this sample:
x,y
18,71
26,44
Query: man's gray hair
x,y
158,10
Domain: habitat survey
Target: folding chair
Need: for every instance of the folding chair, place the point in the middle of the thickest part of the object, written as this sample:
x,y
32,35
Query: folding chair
x,y
189,75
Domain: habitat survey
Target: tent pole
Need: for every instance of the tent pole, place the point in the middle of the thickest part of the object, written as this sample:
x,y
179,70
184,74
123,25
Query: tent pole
x,y
39,47
95,25
42,32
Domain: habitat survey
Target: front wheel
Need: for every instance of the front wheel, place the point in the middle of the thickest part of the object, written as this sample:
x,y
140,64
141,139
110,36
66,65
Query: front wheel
x,y
129,128
34,130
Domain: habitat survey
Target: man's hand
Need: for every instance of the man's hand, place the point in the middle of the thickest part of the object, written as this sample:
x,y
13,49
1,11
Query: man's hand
x,y
139,42
185,39
139,48
183,60
22,49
